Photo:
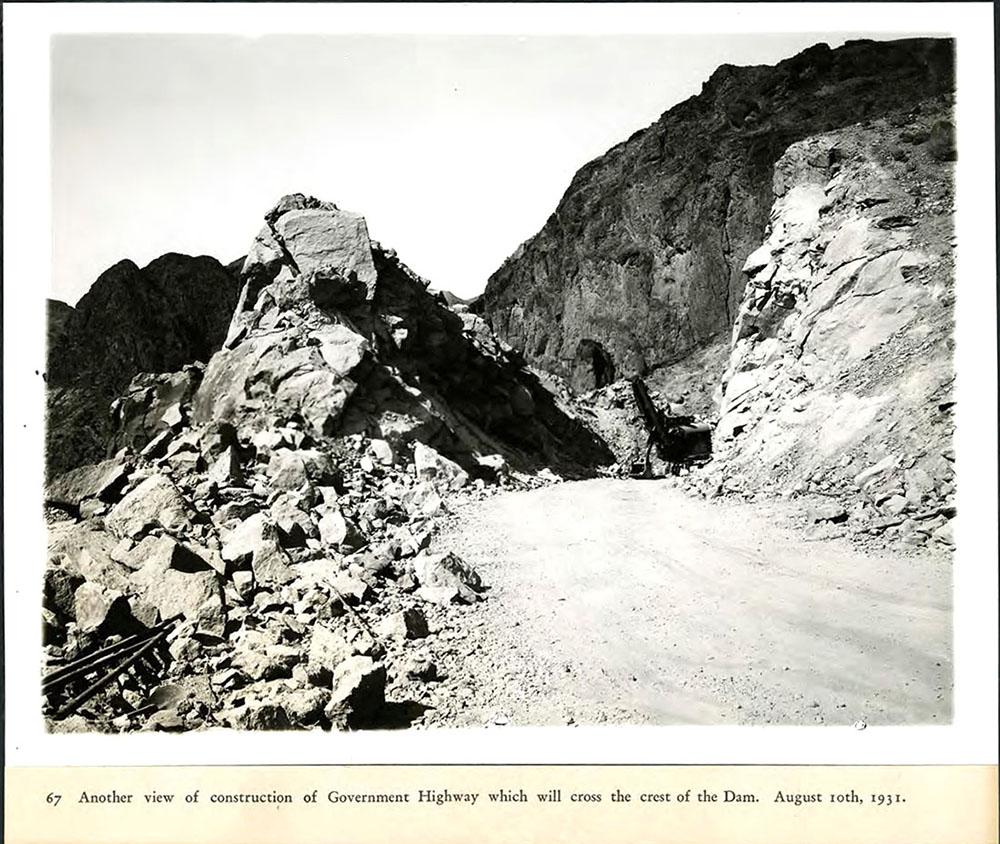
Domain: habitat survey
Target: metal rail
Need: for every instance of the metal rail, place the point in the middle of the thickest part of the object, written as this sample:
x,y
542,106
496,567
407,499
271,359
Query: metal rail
x,y
110,662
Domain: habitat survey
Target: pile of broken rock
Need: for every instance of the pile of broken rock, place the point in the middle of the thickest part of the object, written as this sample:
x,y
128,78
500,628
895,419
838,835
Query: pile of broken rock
x,y
280,500
304,583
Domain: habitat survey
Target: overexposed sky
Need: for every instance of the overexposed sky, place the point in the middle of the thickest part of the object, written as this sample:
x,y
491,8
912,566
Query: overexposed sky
x,y
455,148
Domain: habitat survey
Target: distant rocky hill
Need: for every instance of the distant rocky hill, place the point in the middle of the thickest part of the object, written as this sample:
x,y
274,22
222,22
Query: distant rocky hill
x,y
170,313
641,261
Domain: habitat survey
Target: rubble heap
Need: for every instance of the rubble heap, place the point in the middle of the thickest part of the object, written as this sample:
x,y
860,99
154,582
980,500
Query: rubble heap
x,y
279,503
304,581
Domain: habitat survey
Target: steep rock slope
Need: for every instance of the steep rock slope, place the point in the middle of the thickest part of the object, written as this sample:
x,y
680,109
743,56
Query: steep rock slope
x,y
336,333
642,256
158,318
840,378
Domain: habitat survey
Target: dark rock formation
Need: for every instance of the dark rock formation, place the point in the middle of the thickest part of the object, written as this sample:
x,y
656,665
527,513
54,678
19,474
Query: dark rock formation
x,y
156,319
57,314
644,252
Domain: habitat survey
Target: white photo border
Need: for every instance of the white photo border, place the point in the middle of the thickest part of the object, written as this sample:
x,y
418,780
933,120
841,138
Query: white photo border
x,y
971,738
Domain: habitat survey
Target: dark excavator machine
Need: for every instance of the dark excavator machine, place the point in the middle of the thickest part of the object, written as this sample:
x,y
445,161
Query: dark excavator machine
x,y
679,440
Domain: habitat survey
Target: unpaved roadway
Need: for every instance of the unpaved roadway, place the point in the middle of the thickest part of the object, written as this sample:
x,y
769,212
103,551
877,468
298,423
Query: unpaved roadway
x,y
617,601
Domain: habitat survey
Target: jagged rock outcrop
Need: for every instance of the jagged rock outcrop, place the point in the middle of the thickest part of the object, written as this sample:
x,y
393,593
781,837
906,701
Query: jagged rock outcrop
x,y
156,319
840,377
333,332
643,254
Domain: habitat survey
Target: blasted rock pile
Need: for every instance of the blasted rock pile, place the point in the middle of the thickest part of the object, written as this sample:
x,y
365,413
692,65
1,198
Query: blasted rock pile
x,y
279,503
304,582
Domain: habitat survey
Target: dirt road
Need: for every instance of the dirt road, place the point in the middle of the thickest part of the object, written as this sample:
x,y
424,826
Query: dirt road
x,y
631,602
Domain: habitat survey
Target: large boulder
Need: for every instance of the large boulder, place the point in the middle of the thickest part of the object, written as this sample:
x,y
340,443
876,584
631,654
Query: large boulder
x,y
358,695
329,243
256,540
195,596
168,552
327,650
153,406
99,480
86,552
292,469
432,466
446,578
404,624
337,531
156,502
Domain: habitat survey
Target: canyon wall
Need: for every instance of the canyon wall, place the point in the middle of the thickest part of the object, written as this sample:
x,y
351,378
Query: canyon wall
x,y
640,263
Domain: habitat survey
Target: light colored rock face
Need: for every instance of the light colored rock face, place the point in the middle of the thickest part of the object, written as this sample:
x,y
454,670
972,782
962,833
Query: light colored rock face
x,y
329,241
288,354
156,502
840,374
99,480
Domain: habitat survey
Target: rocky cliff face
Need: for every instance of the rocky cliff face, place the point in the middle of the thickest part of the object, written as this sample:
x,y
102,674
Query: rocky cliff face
x,y
155,319
839,382
641,261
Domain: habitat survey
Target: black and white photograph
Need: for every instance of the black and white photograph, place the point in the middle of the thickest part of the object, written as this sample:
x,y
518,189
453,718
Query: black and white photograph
x,y
410,382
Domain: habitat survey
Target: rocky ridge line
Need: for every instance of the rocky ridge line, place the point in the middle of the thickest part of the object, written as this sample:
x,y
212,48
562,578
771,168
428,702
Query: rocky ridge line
x,y
171,313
